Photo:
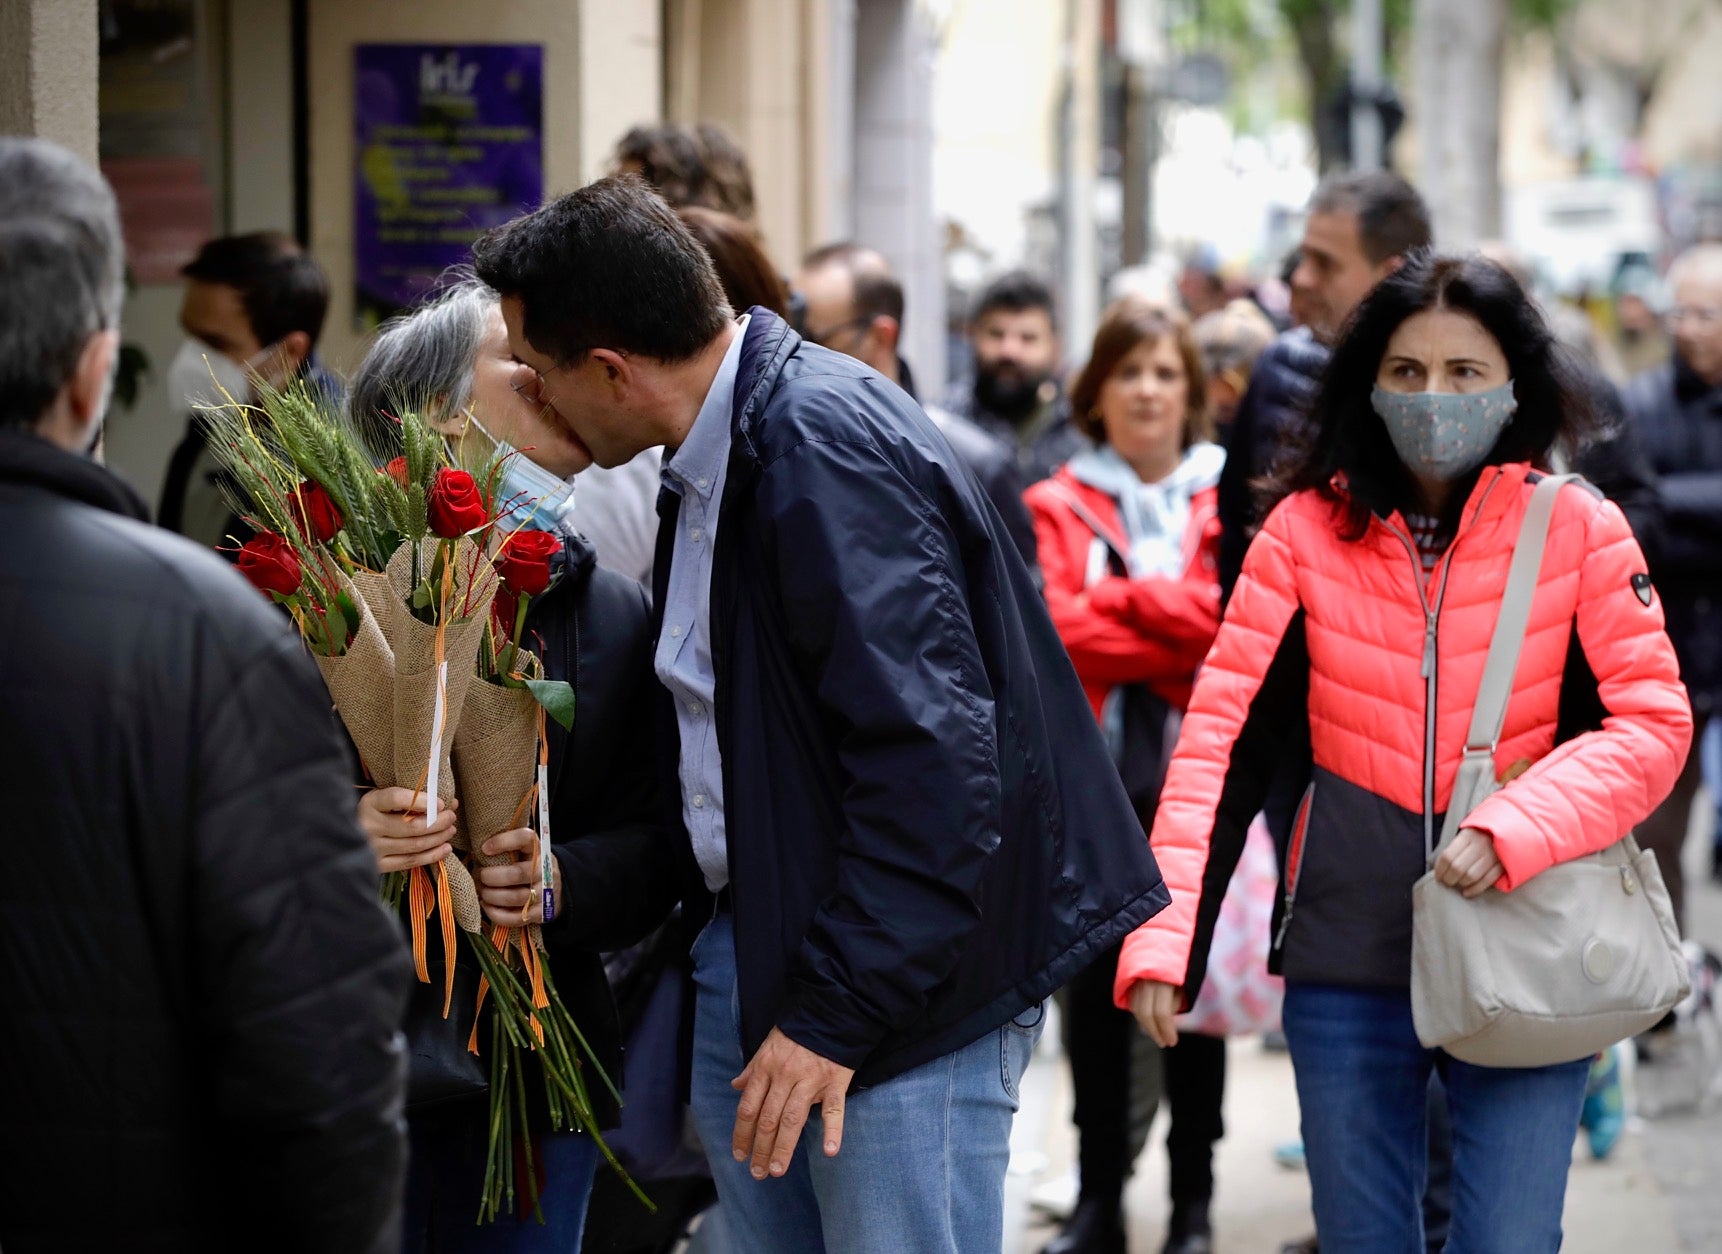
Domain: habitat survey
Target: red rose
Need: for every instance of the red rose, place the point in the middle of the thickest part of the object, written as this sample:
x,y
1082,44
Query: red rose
x,y
396,470
454,505
270,563
316,511
523,562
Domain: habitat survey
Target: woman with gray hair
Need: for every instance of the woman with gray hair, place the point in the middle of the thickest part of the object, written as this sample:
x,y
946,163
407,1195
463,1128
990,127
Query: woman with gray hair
x,y
450,358
615,873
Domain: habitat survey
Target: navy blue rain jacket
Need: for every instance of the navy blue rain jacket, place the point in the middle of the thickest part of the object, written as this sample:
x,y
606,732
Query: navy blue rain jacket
x,y
926,833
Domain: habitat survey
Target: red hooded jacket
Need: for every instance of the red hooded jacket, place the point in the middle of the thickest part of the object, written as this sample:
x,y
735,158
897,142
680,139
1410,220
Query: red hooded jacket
x,y
1150,630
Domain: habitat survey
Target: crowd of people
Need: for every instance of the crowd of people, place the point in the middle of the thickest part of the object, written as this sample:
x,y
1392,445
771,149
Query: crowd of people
x,y
897,718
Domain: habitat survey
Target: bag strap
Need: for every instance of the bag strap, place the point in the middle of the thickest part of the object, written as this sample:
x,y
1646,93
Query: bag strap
x,y
1489,714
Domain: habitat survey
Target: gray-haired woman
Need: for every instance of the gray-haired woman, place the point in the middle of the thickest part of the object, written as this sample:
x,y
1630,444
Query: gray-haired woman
x,y
455,349
615,874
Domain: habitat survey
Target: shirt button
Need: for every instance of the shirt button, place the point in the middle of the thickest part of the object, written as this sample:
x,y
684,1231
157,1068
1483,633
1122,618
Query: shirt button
x,y
694,707
702,482
699,801
675,632
697,535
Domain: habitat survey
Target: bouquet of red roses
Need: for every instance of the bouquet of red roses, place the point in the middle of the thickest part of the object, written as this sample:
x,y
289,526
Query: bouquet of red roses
x,y
412,599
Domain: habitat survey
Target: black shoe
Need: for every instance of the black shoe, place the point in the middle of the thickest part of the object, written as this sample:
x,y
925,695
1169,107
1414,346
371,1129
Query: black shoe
x,y
1189,1231
1095,1227
1193,1243
1309,1245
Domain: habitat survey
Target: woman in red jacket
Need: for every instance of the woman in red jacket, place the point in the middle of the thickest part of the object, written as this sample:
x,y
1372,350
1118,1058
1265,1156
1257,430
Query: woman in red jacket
x,y
1361,623
1129,544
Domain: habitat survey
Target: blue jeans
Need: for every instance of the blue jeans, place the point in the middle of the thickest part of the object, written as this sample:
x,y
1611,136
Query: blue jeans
x,y
445,1177
924,1154
1363,1086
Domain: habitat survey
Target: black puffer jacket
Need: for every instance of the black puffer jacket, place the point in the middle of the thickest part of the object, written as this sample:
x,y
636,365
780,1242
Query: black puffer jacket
x,y
1678,419
1281,388
199,1044
926,833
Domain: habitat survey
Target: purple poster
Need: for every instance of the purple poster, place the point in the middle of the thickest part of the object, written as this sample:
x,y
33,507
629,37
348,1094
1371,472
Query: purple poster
x,y
448,142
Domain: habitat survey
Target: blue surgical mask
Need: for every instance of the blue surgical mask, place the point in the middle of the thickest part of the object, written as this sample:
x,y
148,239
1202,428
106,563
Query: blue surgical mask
x,y
527,494
1444,435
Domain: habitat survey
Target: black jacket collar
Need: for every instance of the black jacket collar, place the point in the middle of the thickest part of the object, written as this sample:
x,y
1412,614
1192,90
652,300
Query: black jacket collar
x,y
1689,387
26,458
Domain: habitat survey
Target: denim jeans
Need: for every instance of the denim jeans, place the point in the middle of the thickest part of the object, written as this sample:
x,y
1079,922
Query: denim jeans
x,y
924,1154
1363,1086
445,1177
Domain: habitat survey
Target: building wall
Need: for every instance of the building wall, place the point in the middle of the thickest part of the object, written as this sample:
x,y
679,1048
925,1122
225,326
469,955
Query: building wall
x,y
892,177
995,111
48,71
602,70
759,69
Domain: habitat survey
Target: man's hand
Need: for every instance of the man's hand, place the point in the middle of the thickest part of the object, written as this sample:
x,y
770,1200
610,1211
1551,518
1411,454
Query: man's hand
x,y
782,1083
510,891
393,820
1469,862
1155,1006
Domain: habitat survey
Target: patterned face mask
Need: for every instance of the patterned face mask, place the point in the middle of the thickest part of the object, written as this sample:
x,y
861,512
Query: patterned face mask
x,y
1444,435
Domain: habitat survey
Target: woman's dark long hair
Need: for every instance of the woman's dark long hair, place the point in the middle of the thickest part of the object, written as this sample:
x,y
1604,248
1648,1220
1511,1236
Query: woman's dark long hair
x,y
1345,437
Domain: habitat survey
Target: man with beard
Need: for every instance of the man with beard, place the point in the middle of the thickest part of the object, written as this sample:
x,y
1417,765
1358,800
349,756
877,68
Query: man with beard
x,y
1015,393
854,306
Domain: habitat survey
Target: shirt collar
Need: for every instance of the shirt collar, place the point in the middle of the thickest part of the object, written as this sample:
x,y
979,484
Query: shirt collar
x,y
699,463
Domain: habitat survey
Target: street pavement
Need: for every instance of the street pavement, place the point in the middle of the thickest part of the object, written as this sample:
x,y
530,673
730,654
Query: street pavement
x,y
1659,1193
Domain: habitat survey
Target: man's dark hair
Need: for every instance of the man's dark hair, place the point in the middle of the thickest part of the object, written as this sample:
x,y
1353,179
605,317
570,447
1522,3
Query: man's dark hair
x,y
1392,219
609,266
61,272
1015,292
686,166
281,287
878,294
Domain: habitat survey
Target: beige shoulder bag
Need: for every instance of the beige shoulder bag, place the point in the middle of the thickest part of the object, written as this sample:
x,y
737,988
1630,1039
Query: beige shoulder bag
x,y
1578,957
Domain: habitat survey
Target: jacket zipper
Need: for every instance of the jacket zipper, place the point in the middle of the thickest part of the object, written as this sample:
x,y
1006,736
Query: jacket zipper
x,y
1432,616
1294,861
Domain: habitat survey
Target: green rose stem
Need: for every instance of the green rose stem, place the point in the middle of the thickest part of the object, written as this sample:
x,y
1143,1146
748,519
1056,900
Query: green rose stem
x,y
514,640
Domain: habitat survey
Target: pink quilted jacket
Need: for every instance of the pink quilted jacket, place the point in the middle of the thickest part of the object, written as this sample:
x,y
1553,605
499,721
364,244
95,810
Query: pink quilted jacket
x,y
1349,644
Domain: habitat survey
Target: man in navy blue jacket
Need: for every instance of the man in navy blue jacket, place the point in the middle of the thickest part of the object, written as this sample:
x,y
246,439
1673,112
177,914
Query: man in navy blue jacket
x,y
901,821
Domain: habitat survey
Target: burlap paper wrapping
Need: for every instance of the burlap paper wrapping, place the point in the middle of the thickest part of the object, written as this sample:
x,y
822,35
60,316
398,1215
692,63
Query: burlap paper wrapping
x,y
379,594
362,682
496,762
416,680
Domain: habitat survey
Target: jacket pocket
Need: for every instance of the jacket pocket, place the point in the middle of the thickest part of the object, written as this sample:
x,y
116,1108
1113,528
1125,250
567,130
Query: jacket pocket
x,y
1294,862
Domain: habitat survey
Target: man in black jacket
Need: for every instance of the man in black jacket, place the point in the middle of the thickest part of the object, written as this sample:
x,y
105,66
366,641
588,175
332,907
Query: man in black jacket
x,y
200,1046
1015,395
854,306
884,764
1359,228
1676,412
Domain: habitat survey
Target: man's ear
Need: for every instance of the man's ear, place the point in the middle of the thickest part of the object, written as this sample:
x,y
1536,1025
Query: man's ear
x,y
88,389
295,350
1389,266
617,370
887,331
74,420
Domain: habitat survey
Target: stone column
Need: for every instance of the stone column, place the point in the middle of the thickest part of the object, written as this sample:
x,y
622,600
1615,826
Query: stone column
x,y
48,59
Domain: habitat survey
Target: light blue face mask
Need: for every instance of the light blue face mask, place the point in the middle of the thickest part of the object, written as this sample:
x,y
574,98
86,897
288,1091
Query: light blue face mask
x,y
1444,435
527,494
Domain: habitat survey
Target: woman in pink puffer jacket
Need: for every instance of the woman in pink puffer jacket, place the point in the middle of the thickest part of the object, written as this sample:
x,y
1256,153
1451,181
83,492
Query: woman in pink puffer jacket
x,y
1359,628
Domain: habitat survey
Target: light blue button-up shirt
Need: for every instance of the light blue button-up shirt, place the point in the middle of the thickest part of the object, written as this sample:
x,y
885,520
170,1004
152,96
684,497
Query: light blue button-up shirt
x,y
696,473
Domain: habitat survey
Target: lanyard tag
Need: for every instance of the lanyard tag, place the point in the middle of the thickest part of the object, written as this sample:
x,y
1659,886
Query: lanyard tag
x,y
433,774
545,855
